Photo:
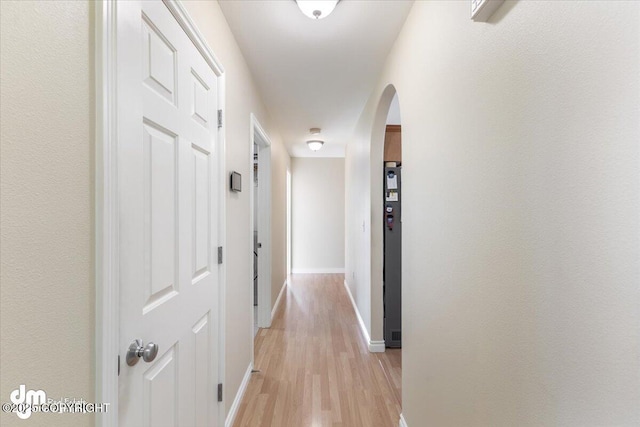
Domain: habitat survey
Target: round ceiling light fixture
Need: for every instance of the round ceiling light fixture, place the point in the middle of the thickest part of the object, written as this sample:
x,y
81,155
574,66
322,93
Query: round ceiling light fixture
x,y
315,144
317,9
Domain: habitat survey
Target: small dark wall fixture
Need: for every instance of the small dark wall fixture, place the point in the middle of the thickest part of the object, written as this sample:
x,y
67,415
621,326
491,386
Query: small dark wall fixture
x,y
236,182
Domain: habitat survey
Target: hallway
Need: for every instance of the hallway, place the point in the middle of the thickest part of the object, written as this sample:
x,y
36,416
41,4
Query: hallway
x,y
315,369
127,199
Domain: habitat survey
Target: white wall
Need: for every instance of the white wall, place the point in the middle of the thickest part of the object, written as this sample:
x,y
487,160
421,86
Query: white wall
x,y
46,256
393,117
317,215
280,164
521,207
47,170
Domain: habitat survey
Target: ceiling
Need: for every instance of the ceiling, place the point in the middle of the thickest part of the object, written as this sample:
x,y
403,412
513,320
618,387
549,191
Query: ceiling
x,y
315,73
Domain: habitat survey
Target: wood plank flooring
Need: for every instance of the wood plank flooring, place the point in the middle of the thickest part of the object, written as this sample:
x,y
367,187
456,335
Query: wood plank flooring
x,y
315,367
391,362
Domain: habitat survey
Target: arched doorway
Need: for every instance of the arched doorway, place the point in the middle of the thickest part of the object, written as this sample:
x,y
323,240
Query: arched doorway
x,y
391,170
386,229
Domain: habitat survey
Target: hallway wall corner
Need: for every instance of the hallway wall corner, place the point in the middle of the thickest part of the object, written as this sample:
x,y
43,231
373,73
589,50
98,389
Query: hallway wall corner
x,y
373,346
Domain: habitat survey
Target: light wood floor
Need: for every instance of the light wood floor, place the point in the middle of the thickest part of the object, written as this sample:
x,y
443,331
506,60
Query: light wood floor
x,y
315,367
391,362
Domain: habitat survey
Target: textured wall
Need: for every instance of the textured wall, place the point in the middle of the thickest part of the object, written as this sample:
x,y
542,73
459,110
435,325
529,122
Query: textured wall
x,y
317,214
521,239
47,292
280,163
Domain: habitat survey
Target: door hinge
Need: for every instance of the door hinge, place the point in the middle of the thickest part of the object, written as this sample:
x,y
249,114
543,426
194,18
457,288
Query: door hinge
x,y
118,365
219,118
219,254
220,392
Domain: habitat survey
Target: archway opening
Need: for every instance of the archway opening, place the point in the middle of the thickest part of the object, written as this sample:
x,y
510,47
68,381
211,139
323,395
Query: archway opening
x,y
391,170
386,235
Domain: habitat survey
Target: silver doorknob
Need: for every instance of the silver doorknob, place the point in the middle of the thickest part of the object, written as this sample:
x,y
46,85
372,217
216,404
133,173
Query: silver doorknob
x,y
137,349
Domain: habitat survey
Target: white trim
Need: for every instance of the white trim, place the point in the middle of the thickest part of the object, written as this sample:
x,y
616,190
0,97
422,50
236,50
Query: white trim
x,y
376,346
106,215
317,271
373,346
106,206
277,303
222,236
190,28
260,137
403,422
233,411
363,328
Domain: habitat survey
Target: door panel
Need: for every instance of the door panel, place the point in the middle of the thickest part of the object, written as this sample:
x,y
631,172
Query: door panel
x,y
201,223
168,220
201,363
161,391
159,61
200,102
160,215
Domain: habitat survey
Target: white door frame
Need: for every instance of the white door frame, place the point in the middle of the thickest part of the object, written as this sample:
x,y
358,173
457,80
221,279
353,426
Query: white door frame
x,y
106,203
261,139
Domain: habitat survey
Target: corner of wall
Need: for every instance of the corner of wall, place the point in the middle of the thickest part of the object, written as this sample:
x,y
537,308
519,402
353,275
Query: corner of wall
x,y
233,411
373,346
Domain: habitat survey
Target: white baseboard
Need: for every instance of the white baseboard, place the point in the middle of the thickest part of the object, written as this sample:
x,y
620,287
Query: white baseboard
x,y
233,411
277,304
403,422
317,271
373,346
376,346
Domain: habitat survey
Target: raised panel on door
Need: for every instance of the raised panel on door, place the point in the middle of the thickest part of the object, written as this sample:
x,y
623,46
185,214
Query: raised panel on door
x,y
200,105
161,215
201,213
161,399
201,363
159,61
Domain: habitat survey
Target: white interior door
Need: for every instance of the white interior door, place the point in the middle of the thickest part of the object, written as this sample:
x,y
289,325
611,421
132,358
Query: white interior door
x,y
167,186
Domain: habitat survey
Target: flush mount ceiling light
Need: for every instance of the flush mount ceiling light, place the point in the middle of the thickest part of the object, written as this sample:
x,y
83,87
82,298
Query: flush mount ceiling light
x,y
317,9
315,144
